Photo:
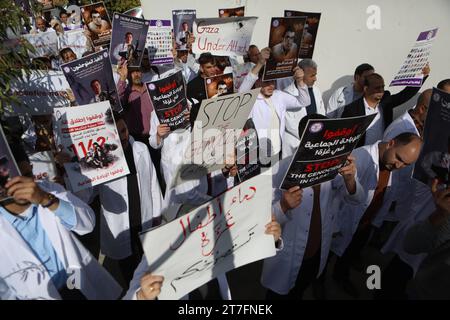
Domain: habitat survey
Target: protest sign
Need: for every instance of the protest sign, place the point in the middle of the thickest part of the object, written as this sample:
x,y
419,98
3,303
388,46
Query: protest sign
x,y
309,32
89,135
95,16
159,42
8,165
75,40
223,36
219,85
213,139
323,150
168,96
44,168
232,12
219,236
128,39
247,153
91,79
284,41
183,21
434,159
410,73
44,43
39,92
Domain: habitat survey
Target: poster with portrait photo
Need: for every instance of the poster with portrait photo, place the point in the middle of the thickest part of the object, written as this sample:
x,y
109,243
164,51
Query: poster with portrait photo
x,y
223,64
284,42
75,40
434,159
91,79
410,73
95,17
70,17
183,21
309,32
8,165
247,153
89,135
128,40
218,86
159,42
232,12
323,150
168,96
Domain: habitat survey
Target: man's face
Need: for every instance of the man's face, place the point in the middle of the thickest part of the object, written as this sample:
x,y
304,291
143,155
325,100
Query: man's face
x,y
375,90
129,38
40,24
182,55
288,40
64,18
310,76
96,87
185,26
97,19
123,133
136,77
397,156
208,69
267,88
359,79
69,55
221,89
253,54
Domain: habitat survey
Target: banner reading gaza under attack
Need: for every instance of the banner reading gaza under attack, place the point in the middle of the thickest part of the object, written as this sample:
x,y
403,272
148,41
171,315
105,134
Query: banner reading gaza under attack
x,y
323,150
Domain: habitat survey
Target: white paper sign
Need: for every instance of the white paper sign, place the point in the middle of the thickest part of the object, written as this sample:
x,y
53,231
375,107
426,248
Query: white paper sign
x,y
410,74
76,40
223,36
45,43
221,235
44,168
89,134
40,92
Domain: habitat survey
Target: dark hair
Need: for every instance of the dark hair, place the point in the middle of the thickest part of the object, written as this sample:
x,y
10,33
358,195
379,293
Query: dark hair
x,y
406,138
221,82
288,29
63,12
443,83
304,121
206,57
363,68
63,51
371,76
18,152
128,34
95,80
252,46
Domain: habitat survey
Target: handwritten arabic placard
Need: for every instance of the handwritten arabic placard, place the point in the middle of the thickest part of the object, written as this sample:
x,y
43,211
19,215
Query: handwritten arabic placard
x,y
219,236
323,150
88,133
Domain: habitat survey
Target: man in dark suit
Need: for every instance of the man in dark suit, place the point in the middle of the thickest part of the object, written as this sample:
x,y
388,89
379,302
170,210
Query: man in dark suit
x,y
376,100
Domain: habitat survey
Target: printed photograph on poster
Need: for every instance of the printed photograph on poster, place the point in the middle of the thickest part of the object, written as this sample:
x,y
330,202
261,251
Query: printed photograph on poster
x,y
223,65
8,165
223,36
41,133
208,151
247,153
89,134
183,21
95,17
44,168
410,73
128,39
219,85
323,150
44,43
188,257
231,12
284,41
168,96
159,42
91,79
69,17
434,159
309,32
76,41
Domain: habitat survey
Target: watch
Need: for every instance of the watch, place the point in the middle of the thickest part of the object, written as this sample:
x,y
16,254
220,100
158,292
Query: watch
x,y
51,200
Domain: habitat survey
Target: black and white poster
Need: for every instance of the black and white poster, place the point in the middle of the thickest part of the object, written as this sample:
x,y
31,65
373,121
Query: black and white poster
x,y
247,152
309,31
183,21
323,150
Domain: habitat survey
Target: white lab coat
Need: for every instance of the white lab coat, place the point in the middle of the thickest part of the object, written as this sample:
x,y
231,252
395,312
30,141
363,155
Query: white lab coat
x,y
367,166
280,272
339,99
115,224
96,282
291,139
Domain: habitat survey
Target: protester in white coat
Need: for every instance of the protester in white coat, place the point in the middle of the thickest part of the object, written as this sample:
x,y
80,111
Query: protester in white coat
x,y
374,166
307,223
41,256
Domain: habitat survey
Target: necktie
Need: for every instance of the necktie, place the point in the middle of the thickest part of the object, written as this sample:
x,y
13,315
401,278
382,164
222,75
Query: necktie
x,y
312,108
